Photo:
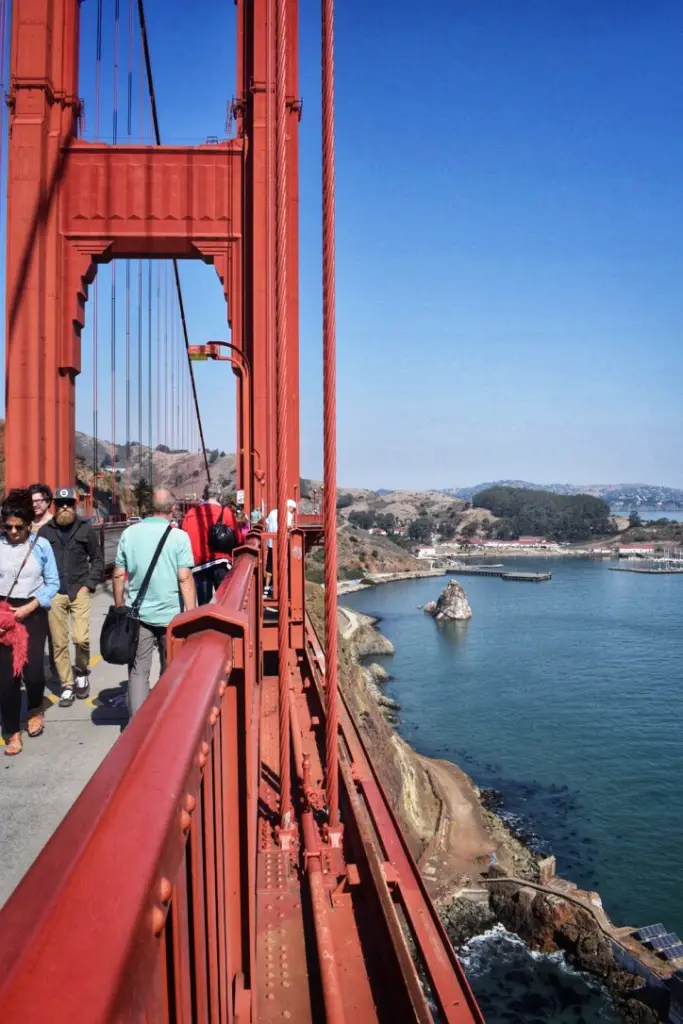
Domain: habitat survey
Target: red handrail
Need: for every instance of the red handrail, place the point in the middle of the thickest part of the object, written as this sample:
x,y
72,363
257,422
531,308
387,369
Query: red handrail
x,y
139,874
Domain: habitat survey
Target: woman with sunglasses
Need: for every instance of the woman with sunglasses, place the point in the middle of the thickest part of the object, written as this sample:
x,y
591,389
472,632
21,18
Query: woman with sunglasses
x,y
28,582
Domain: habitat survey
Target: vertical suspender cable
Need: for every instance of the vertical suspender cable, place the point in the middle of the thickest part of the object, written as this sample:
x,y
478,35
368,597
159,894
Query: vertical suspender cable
x,y
149,374
139,369
329,413
158,347
140,291
96,317
281,404
166,304
176,272
115,116
129,126
3,44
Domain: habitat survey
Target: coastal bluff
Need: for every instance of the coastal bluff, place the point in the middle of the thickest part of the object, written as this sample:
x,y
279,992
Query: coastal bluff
x,y
452,605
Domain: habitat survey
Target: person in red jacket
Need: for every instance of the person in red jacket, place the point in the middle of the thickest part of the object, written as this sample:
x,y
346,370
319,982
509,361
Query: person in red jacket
x,y
197,524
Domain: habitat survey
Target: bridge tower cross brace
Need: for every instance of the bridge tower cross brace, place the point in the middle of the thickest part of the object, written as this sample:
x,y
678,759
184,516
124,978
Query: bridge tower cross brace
x,y
74,204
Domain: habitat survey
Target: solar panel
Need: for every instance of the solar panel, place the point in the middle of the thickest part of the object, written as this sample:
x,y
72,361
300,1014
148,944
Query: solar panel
x,y
673,952
650,931
662,942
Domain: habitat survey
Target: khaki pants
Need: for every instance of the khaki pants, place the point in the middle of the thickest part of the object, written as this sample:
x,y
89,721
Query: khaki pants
x,y
78,610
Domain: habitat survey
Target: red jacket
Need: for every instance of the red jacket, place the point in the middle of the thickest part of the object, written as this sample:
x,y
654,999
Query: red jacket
x,y
197,524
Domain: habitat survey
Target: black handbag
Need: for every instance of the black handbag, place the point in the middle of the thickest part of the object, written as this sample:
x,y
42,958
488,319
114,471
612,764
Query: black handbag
x,y
121,627
222,537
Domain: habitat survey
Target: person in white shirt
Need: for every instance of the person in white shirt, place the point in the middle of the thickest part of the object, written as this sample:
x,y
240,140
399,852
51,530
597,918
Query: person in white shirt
x,y
271,527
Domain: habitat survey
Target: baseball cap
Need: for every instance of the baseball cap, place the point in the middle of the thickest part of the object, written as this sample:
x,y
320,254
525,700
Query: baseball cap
x,y
65,496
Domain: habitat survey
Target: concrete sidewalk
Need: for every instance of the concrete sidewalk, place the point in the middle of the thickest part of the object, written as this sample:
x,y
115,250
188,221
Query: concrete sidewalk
x,y
38,787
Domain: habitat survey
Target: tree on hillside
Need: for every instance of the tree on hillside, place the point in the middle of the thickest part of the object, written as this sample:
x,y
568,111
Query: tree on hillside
x,y
142,493
634,520
362,519
469,529
421,529
562,517
344,500
446,529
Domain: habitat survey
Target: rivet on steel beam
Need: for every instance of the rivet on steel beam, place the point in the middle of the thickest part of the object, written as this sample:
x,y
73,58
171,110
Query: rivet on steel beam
x,y
190,802
158,919
165,889
222,688
213,717
185,821
204,748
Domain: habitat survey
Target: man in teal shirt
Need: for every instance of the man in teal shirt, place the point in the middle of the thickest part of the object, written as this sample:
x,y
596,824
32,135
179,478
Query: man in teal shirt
x,y
171,580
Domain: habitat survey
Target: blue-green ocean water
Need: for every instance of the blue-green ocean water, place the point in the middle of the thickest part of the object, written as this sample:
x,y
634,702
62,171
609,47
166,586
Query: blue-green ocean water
x,y
566,696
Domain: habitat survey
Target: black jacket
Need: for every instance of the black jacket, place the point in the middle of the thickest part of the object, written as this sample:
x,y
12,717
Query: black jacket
x,y
78,556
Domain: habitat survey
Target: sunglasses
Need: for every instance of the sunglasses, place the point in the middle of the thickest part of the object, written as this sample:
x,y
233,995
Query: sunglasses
x,y
15,529
65,504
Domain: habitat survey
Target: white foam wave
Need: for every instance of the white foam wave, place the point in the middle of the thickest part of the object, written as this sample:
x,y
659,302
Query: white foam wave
x,y
505,947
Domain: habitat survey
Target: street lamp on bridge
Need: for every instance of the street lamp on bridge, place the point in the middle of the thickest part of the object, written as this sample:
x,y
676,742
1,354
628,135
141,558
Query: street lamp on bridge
x,y
241,368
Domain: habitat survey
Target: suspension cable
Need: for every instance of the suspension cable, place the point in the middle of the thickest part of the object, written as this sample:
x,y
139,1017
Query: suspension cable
x,y
115,115
330,414
96,316
176,272
149,374
282,398
129,126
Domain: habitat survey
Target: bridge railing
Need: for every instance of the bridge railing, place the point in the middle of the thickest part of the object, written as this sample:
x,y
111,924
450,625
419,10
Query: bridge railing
x,y
139,907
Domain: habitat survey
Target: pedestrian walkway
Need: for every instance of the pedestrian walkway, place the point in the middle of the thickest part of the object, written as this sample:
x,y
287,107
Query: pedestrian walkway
x,y
38,787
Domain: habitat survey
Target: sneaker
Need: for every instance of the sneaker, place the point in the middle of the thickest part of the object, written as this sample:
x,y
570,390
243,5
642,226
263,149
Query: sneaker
x,y
67,697
82,687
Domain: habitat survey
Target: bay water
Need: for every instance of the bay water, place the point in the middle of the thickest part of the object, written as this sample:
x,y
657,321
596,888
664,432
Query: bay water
x,y
567,697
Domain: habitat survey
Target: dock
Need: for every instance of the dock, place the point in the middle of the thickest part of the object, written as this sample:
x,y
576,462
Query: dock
x,y
647,572
518,577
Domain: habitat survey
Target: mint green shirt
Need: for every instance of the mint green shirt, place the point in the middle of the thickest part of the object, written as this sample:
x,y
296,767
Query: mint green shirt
x,y
135,552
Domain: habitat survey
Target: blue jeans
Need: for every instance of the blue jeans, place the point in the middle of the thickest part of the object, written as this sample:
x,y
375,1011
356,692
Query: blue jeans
x,y
208,580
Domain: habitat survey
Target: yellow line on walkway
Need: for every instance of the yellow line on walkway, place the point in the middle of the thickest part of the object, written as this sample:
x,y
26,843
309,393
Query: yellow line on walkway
x,y
95,660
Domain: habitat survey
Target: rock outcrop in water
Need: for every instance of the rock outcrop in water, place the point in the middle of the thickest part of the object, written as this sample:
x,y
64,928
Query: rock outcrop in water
x,y
452,606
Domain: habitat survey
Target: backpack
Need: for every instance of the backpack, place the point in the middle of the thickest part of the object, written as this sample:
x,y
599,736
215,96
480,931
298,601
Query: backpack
x,y
222,537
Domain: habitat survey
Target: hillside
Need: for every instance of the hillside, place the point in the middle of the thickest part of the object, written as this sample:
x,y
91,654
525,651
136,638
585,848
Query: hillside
x,y
358,553
559,517
404,506
621,496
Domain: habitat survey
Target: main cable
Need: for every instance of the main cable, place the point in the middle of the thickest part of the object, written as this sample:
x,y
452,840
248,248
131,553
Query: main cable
x,y
176,272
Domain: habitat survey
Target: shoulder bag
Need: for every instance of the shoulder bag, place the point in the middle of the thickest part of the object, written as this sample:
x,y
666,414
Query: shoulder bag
x,y
222,537
121,627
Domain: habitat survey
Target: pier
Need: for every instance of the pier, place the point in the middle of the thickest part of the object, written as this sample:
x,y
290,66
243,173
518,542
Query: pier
x,y
518,577
646,571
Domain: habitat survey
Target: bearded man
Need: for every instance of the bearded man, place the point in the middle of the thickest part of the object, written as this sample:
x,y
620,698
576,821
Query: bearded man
x,y
81,567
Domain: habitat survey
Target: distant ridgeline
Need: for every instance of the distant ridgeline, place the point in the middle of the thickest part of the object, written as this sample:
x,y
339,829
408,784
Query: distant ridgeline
x,y
560,517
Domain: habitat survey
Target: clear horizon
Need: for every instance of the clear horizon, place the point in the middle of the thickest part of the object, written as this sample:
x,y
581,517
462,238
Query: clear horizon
x,y
509,252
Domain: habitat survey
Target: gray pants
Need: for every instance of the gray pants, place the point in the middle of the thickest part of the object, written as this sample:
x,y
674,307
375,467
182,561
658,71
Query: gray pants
x,y
138,674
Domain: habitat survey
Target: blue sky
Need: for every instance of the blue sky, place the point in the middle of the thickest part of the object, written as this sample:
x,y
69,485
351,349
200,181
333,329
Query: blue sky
x,y
509,244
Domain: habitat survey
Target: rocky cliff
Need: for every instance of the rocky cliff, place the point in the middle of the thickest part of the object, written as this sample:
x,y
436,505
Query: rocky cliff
x,y
449,832
452,605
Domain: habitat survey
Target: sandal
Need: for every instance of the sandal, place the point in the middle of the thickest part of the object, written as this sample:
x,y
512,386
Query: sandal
x,y
35,724
14,745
